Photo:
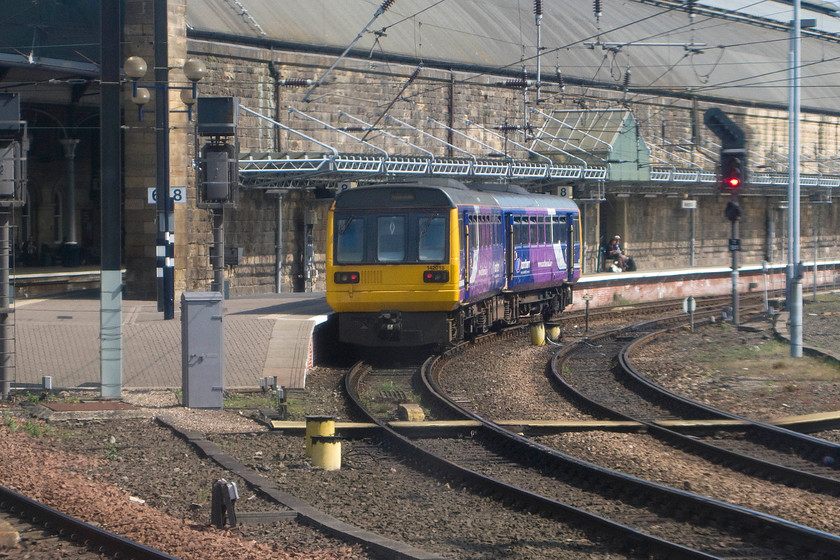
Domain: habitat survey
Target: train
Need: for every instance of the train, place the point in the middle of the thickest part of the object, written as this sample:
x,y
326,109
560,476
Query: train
x,y
417,264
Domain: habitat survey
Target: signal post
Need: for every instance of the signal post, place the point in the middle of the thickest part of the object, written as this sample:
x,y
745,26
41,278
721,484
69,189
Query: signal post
x,y
731,180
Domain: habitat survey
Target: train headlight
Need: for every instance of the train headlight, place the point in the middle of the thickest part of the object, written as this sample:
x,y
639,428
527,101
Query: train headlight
x,y
436,276
346,277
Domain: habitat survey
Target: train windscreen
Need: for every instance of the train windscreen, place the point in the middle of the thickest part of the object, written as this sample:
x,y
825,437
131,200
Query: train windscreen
x,y
391,238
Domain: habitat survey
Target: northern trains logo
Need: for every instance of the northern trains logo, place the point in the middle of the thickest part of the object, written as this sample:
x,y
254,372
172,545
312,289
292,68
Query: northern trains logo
x,y
519,265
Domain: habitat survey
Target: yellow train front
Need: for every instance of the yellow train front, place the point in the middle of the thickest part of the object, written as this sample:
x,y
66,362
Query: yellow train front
x,y
393,262
412,264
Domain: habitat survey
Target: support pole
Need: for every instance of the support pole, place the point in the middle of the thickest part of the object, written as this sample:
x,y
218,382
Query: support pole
x,y
816,255
278,246
71,241
6,323
110,314
794,269
217,255
165,207
693,235
736,317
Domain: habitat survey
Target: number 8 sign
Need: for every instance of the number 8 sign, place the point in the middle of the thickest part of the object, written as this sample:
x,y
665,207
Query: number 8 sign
x,y
178,194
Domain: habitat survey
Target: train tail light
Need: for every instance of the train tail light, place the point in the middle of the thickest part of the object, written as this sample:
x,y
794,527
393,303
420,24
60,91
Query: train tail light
x,y
346,277
436,276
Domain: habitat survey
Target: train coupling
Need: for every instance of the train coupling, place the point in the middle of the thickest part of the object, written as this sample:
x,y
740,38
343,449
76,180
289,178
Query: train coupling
x,y
389,324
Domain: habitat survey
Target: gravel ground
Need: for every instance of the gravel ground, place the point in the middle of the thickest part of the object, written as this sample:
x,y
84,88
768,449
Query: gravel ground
x,y
93,469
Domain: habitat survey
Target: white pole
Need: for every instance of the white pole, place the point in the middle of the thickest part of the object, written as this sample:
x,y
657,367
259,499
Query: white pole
x,y
794,261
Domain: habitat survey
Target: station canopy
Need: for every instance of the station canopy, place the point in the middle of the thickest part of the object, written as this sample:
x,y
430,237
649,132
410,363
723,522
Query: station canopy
x,y
720,53
605,137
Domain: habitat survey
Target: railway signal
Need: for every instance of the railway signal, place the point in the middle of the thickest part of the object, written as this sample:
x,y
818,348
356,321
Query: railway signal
x,y
732,176
731,171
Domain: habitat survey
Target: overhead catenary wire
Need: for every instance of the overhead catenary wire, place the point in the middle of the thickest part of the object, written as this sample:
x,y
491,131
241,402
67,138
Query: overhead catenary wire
x,y
381,10
394,100
671,67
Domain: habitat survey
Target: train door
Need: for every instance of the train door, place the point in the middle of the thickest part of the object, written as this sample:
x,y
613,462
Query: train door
x,y
466,247
510,249
562,233
570,247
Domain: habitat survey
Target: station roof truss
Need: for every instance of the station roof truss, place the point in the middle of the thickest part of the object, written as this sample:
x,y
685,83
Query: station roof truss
x,y
598,152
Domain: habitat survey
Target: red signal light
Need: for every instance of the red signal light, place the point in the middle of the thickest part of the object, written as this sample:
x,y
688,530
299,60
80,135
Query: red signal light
x,y
732,171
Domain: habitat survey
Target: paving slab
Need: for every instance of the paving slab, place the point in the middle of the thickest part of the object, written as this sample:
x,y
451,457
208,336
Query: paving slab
x,y
60,338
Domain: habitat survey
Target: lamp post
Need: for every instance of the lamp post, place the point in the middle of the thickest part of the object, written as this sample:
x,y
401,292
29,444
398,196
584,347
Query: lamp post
x,y
194,70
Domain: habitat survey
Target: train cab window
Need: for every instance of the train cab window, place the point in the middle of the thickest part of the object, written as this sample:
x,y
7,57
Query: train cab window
x,y
432,242
390,238
350,241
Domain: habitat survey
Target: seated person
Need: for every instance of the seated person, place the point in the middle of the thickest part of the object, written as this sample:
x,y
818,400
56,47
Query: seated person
x,y
614,252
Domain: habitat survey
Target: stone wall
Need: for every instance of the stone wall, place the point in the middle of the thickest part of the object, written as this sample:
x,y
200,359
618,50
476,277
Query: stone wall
x,y
141,150
655,229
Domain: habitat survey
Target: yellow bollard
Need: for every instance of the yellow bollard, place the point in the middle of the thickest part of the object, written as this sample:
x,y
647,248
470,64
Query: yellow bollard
x,y
318,426
537,334
554,333
326,452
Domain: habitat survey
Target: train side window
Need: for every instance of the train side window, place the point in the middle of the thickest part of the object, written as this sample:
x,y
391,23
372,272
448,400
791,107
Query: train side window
x,y
432,243
390,238
534,232
350,241
555,230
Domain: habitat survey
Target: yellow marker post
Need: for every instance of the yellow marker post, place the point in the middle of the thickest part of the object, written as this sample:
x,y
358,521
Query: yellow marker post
x,y
326,452
537,334
318,426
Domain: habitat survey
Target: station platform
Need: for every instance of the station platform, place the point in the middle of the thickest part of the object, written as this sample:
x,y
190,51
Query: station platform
x,y
273,335
266,335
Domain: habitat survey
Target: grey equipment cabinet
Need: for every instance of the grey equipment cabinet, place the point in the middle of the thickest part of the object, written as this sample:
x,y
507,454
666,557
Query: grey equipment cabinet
x,y
202,350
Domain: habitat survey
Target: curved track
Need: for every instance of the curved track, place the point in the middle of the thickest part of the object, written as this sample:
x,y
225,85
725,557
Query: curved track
x,y
649,519
622,393
95,539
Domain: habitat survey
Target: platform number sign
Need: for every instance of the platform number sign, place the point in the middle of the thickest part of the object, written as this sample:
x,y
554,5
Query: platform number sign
x,y
564,191
178,194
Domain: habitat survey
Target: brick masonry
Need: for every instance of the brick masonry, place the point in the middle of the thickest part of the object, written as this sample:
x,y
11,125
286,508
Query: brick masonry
x,y
655,230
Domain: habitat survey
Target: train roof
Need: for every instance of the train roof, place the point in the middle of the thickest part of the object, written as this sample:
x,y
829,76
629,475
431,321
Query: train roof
x,y
450,194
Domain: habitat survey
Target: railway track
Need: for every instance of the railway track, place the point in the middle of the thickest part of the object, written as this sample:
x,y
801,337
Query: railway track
x,y
635,311
648,519
623,393
88,541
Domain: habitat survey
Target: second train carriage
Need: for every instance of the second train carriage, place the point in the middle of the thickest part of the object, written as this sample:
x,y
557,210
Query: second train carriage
x,y
416,264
